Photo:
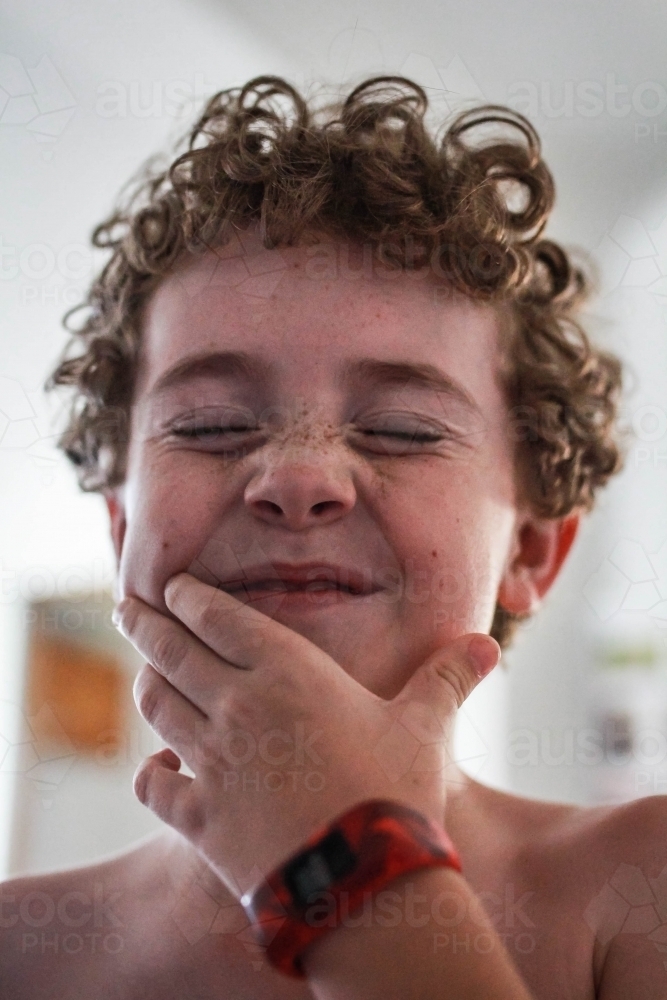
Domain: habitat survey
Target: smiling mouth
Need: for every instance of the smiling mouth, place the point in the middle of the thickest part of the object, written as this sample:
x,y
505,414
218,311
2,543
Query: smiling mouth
x,y
287,586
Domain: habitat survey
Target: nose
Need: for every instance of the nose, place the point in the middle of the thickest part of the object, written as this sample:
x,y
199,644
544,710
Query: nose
x,y
301,494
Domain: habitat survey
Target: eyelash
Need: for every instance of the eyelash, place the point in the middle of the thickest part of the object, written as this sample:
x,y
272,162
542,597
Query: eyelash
x,y
200,432
406,436
192,432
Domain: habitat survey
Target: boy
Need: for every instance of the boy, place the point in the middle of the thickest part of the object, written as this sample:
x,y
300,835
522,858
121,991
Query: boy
x,y
332,388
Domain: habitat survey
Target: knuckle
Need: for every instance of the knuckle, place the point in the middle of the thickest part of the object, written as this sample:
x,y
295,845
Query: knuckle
x,y
239,711
140,783
458,684
129,610
209,614
169,652
146,696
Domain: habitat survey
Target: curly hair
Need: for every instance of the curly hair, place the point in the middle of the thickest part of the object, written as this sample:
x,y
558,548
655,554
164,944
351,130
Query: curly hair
x,y
471,201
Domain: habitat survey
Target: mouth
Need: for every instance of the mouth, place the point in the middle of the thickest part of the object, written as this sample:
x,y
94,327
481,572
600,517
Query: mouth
x,y
283,586
316,585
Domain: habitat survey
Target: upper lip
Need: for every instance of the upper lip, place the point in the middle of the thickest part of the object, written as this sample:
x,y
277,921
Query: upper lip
x,y
301,574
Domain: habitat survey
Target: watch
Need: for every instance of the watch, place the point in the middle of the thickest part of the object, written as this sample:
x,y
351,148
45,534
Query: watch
x,y
339,867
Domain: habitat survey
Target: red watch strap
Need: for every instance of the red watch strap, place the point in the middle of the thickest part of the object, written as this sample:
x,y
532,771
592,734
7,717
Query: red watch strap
x,y
358,853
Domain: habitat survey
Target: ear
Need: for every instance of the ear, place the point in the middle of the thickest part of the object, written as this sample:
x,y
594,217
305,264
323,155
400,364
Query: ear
x,y
116,508
540,548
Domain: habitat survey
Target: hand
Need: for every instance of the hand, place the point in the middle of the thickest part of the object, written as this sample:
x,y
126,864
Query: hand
x,y
253,708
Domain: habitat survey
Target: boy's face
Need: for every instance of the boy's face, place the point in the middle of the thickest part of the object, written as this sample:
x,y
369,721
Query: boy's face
x,y
369,432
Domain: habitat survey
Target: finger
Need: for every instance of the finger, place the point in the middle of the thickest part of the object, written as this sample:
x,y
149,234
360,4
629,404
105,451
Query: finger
x,y
465,663
450,675
169,758
189,666
237,632
168,794
175,719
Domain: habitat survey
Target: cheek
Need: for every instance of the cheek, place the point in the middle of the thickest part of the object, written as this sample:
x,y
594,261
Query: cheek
x,y
453,550
487,550
170,516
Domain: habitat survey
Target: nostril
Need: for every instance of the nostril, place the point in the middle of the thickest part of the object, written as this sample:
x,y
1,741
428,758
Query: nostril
x,y
324,506
269,506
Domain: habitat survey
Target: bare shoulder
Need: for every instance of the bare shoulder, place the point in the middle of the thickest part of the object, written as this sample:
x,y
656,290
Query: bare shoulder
x,y
599,877
66,926
624,845
535,827
593,841
612,867
637,827
628,909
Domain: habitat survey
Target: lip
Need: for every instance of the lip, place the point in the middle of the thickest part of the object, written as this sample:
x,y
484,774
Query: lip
x,y
293,579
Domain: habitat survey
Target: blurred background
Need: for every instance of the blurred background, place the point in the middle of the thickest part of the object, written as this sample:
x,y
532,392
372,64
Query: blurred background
x,y
87,92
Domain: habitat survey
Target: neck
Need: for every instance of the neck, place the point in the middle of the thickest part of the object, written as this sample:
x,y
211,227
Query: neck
x,y
190,874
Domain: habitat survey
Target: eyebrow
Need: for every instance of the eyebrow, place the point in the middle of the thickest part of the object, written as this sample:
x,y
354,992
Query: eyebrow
x,y
419,375
219,364
235,364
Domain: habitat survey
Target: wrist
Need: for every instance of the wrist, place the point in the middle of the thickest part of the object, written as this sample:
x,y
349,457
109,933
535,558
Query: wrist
x,y
438,941
413,905
339,871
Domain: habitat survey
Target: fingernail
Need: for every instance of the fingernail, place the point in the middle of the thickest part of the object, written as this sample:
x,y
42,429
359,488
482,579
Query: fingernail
x,y
484,653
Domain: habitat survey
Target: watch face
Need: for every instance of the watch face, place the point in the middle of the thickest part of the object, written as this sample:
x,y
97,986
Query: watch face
x,y
319,867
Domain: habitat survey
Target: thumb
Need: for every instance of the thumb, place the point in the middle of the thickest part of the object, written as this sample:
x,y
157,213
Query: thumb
x,y
454,671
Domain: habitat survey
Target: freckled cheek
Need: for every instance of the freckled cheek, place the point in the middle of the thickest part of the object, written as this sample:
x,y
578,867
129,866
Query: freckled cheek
x,y
433,547
446,542
170,519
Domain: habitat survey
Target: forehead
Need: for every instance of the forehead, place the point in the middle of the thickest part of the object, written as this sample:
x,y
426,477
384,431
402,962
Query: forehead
x,y
309,309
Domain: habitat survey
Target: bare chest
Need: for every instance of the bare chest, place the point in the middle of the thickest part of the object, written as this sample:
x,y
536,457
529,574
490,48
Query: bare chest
x,y
195,940
539,923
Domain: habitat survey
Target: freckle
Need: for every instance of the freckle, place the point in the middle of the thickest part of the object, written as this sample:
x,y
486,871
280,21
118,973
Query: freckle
x,y
434,553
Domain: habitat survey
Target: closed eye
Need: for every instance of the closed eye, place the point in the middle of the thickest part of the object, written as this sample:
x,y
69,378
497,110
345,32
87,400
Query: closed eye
x,y
405,435
199,432
227,434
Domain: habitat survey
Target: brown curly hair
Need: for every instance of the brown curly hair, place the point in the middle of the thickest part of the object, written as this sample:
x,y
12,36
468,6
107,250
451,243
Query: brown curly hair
x,y
365,169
